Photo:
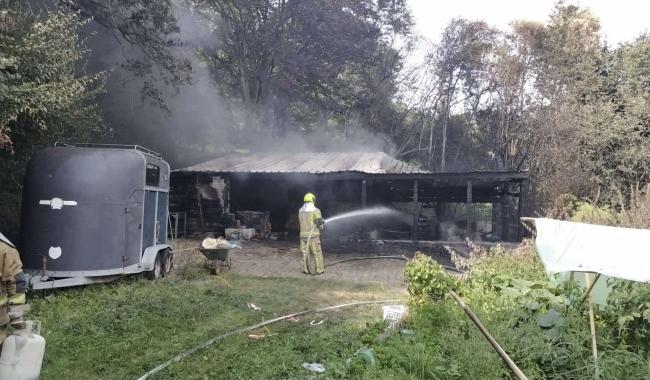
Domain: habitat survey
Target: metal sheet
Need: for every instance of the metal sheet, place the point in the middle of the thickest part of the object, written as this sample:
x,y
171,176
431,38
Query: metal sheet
x,y
333,162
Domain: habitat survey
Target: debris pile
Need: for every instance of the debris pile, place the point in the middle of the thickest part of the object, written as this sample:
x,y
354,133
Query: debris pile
x,y
259,220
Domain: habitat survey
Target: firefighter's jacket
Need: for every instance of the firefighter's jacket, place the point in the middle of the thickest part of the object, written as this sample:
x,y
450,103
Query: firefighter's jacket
x,y
12,279
310,220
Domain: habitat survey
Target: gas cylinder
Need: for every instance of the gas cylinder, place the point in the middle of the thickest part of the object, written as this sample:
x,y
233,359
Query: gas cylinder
x,y
22,355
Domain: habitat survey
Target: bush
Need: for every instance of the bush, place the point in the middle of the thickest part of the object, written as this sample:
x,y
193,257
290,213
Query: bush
x,y
628,312
426,279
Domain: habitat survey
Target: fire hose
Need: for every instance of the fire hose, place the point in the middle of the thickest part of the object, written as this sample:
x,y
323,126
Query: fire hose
x,y
402,257
209,342
308,248
500,351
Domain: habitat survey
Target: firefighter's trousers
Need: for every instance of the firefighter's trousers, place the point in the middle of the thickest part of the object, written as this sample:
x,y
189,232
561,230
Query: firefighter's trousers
x,y
315,253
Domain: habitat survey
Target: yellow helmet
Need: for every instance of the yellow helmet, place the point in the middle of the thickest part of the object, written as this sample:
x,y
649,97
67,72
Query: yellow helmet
x,y
309,197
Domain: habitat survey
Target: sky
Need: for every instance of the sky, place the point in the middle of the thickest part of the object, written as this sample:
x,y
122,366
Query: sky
x,y
621,20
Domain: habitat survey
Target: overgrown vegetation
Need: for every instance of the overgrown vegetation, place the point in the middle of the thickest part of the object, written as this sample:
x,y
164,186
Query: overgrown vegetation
x,y
543,326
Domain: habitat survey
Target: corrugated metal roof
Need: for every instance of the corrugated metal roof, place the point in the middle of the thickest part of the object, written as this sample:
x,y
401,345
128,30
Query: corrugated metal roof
x,y
333,162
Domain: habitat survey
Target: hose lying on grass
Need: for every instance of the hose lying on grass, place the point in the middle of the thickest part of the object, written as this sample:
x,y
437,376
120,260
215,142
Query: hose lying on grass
x,y
368,258
207,343
387,257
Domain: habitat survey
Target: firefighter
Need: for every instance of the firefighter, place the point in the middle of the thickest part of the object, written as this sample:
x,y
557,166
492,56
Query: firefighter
x,y
311,223
12,287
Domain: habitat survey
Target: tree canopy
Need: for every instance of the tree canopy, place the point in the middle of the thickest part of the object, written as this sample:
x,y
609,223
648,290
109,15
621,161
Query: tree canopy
x,y
221,75
44,93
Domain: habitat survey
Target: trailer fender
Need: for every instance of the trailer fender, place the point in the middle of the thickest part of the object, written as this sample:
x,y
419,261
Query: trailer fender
x,y
149,256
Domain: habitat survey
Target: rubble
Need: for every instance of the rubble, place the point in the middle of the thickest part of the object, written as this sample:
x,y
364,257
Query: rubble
x,y
259,220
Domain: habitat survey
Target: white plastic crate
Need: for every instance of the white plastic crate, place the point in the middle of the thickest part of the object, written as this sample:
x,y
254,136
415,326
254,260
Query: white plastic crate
x,y
393,314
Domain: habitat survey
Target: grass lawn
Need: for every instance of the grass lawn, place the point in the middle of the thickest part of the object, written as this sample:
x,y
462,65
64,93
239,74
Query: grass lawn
x,y
123,329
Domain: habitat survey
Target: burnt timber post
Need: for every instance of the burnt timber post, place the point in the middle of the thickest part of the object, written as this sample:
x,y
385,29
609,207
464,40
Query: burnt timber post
x,y
496,218
469,209
414,228
521,209
226,195
505,217
364,194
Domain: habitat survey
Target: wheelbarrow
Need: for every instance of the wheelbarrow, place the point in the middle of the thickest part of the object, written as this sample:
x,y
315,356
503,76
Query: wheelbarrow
x,y
219,257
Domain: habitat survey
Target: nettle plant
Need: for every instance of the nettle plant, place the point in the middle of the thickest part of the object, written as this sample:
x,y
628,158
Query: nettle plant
x,y
628,308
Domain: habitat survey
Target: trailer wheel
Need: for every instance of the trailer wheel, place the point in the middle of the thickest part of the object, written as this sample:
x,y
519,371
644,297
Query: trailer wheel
x,y
157,270
168,261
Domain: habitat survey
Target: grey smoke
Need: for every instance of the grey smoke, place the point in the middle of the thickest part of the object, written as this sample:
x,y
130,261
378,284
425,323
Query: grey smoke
x,y
199,123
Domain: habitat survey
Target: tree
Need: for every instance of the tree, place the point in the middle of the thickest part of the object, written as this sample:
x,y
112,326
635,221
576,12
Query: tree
x,y
615,124
455,63
43,95
147,31
307,64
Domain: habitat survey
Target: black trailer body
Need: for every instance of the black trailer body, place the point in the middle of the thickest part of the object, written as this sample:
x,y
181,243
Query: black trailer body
x,y
92,212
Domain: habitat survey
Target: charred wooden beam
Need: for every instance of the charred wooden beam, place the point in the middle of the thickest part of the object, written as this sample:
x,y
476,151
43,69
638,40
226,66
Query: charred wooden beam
x,y
469,208
414,227
521,209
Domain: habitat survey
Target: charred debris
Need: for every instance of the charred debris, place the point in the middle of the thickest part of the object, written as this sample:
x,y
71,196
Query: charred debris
x,y
263,192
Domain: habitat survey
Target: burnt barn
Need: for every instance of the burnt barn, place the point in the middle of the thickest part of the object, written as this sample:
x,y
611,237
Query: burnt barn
x,y
264,191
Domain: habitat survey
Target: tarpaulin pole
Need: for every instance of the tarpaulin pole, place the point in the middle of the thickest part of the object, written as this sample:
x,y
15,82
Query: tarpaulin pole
x,y
589,288
513,367
592,323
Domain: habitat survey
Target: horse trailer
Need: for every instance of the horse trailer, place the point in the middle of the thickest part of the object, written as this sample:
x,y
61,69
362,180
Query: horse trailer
x,y
92,213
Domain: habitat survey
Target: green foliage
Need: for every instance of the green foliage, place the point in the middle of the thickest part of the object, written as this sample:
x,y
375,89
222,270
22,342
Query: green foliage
x,y
518,284
44,96
41,88
628,308
426,279
495,266
588,213
543,326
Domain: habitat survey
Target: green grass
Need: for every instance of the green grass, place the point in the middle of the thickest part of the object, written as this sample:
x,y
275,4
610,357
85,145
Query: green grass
x,y
123,329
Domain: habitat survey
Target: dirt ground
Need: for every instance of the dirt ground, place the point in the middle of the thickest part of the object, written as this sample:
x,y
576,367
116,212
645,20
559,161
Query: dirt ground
x,y
283,259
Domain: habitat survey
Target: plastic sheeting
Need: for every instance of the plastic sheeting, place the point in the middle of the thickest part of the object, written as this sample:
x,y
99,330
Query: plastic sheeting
x,y
579,247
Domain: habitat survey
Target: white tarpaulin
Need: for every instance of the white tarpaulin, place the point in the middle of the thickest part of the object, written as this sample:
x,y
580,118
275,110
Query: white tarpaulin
x,y
579,247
